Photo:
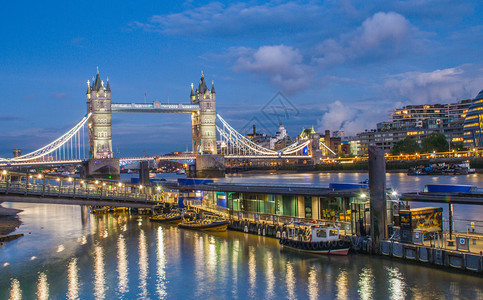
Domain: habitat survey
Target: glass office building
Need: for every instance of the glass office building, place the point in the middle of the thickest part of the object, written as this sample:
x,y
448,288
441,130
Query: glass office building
x,y
473,126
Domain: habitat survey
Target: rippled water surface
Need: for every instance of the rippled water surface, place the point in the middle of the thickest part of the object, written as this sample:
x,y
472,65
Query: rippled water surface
x,y
69,254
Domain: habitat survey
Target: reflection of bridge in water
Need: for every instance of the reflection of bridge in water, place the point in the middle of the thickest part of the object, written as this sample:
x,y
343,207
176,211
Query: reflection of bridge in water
x,y
91,138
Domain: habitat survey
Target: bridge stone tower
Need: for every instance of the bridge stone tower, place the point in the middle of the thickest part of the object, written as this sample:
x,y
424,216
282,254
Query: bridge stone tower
x,y
101,162
204,121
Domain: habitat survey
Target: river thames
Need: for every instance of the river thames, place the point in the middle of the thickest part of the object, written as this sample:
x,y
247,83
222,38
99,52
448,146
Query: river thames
x,y
67,253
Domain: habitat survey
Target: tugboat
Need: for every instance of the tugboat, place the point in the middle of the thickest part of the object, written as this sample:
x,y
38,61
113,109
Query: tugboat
x,y
321,240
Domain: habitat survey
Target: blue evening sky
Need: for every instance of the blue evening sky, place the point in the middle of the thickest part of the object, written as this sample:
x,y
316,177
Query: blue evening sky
x,y
339,65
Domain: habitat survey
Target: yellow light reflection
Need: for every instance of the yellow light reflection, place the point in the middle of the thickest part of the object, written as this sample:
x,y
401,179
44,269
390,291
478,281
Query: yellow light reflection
x,y
199,253
397,285
342,285
122,266
60,248
313,285
42,287
15,291
366,284
161,256
269,274
211,259
252,271
143,265
73,280
99,273
290,280
234,266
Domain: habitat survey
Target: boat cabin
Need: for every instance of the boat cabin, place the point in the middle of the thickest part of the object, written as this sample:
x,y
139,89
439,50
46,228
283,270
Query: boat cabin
x,y
324,234
313,233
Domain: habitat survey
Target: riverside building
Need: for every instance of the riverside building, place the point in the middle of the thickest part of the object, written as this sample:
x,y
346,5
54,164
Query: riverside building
x,y
417,121
473,126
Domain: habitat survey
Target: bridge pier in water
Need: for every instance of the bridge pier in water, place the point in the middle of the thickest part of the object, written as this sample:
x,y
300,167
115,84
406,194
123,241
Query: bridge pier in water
x,y
210,166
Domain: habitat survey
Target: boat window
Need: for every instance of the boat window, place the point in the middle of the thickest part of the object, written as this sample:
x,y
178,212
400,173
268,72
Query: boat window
x,y
333,232
321,233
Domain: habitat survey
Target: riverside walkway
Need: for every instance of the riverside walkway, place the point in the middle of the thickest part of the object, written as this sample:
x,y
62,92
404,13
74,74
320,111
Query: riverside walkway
x,y
40,188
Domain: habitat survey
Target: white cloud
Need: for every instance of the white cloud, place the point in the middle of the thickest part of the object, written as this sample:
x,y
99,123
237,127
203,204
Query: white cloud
x,y
439,86
382,35
350,118
219,20
283,65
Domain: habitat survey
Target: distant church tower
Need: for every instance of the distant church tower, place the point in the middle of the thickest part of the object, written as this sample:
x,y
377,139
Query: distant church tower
x,y
99,103
204,121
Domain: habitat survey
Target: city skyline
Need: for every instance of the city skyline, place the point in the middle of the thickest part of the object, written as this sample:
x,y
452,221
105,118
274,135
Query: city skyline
x,y
337,65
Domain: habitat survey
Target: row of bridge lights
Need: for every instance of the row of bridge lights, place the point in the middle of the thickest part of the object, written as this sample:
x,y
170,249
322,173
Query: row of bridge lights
x,y
70,179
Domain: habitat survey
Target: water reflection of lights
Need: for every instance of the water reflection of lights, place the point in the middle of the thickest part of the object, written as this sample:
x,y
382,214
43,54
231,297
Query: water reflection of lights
x,y
234,266
143,265
252,271
60,248
33,257
15,291
199,252
269,274
161,256
313,285
73,280
223,261
342,285
290,280
366,284
453,287
211,259
99,273
83,240
122,266
42,287
6,264
397,285
106,233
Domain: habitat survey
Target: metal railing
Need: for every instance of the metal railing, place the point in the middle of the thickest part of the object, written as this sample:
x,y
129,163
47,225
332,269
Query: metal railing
x,y
345,227
45,190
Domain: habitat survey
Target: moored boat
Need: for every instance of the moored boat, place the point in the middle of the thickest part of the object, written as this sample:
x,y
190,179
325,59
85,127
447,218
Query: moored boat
x,y
120,209
175,218
205,225
99,210
462,168
322,240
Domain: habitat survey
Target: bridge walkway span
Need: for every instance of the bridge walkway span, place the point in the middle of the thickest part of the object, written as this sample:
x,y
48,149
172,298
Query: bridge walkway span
x,y
44,193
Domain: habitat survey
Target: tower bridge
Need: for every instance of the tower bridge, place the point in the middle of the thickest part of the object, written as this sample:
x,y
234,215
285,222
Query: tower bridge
x,y
208,152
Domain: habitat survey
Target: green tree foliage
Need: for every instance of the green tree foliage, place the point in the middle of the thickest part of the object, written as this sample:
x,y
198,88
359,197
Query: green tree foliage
x,y
434,142
406,146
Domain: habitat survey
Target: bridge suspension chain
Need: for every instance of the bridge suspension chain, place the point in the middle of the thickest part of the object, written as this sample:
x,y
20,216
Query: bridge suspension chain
x,y
241,142
63,148
238,142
